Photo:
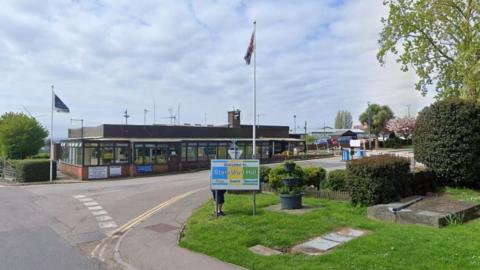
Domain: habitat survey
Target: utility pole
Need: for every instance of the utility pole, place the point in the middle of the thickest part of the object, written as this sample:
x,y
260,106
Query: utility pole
x,y
369,127
295,124
125,114
408,109
145,111
306,145
154,112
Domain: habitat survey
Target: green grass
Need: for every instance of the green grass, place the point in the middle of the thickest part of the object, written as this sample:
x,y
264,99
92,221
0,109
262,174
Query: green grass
x,y
386,246
463,194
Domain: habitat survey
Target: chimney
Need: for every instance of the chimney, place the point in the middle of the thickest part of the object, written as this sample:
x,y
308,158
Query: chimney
x,y
234,119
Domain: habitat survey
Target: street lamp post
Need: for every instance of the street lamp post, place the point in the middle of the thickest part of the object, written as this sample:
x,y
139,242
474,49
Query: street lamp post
x,y
294,124
369,127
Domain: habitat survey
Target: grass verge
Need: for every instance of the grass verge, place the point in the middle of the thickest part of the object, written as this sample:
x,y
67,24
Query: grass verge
x,y
387,246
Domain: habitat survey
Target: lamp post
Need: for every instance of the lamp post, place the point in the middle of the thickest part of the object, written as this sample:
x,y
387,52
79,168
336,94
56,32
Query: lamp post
x,y
294,124
369,126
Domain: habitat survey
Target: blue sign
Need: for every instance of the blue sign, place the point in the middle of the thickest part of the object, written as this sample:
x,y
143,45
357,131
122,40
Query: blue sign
x,y
144,169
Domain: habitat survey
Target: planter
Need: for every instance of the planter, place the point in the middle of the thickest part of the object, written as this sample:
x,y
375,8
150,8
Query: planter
x,y
289,201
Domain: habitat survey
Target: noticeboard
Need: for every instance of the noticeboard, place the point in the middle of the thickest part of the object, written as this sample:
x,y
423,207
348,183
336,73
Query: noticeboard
x,y
232,174
97,172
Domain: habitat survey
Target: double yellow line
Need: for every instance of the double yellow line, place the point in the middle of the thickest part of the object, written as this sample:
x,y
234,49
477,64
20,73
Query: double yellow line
x,y
125,227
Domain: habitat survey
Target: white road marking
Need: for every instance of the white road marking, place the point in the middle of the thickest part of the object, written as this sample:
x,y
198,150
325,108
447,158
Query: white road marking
x,y
79,196
90,203
104,218
99,213
85,199
95,208
108,224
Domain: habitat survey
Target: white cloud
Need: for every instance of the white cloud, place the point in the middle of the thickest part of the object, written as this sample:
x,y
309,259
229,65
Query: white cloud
x,y
314,58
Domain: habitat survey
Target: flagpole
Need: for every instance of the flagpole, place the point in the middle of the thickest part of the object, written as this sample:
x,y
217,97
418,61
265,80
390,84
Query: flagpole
x,y
254,129
51,137
254,89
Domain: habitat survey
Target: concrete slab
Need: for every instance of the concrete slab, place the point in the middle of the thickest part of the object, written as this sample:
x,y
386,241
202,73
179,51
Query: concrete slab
x,y
305,209
337,237
350,232
265,251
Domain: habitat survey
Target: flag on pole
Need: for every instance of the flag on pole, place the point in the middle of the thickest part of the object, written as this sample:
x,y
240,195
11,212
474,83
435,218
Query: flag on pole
x,y
251,48
60,106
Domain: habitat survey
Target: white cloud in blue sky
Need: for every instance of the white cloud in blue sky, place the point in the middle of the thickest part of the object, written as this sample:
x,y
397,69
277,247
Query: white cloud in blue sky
x,y
314,58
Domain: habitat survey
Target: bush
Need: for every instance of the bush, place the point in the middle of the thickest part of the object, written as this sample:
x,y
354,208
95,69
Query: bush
x,y
278,173
447,140
32,170
423,182
313,176
336,180
264,171
393,141
378,179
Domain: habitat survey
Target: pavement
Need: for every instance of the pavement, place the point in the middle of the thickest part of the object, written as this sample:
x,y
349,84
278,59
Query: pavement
x,y
130,224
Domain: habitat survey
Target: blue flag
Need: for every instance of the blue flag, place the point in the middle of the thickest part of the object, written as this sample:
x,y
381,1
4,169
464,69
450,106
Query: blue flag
x,y
60,106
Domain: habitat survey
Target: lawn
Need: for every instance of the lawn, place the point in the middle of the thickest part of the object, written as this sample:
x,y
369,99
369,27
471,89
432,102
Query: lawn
x,y
387,246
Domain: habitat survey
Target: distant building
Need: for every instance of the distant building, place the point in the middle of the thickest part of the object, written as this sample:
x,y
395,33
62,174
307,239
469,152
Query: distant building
x,y
129,150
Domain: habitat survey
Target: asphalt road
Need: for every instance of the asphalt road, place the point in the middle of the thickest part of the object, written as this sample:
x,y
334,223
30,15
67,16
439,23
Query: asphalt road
x,y
59,226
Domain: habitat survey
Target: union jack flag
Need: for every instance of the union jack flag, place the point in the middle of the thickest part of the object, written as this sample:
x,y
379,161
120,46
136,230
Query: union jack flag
x,y
251,48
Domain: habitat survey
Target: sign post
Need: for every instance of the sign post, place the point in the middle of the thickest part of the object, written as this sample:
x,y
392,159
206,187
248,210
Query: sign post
x,y
235,174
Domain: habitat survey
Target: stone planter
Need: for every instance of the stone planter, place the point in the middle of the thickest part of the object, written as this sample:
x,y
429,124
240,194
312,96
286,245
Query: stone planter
x,y
289,201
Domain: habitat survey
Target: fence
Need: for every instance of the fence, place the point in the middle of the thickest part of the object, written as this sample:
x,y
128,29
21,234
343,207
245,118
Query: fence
x,y
319,194
7,171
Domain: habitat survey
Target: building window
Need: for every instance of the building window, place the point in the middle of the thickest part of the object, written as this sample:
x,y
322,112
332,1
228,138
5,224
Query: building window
x,y
121,153
222,150
150,150
91,154
202,156
184,152
192,152
139,153
161,154
211,151
106,153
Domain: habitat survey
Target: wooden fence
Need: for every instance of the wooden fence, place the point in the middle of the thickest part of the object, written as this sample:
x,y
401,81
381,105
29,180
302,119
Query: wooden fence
x,y
319,194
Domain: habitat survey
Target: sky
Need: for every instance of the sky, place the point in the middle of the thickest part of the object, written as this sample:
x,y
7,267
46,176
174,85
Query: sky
x,y
314,57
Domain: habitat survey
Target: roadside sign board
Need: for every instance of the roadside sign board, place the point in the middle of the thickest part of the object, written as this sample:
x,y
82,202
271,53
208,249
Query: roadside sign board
x,y
235,174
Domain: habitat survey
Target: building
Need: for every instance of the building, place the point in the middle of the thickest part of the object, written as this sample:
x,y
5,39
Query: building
x,y
339,136
128,150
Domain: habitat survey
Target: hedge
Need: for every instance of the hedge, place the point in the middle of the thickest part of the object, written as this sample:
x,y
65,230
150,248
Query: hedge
x,y
314,176
378,179
336,180
264,171
33,170
446,140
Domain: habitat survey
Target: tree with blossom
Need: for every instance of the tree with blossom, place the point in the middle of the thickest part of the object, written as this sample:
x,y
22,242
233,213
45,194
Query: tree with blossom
x,y
402,126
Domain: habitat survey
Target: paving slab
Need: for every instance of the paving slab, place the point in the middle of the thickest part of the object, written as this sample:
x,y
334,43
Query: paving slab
x,y
305,209
337,237
265,251
350,232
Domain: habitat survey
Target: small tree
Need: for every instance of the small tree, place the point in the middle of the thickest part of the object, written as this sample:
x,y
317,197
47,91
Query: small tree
x,y
375,118
20,135
343,120
447,140
403,126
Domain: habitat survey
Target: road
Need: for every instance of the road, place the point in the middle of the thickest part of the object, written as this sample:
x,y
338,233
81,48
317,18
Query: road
x,y
132,223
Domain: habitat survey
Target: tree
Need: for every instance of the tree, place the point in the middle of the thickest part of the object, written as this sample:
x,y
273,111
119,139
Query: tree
x,y
446,139
403,126
20,135
343,120
439,39
375,118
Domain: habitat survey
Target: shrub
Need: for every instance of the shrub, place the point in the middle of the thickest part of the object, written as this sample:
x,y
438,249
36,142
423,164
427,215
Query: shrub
x,y
447,140
264,171
336,180
378,179
278,173
393,141
32,170
423,182
313,176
